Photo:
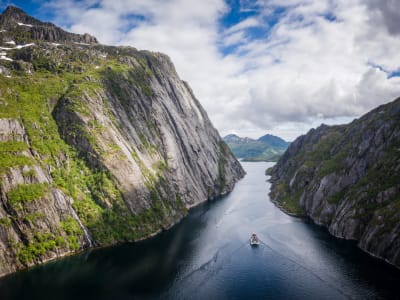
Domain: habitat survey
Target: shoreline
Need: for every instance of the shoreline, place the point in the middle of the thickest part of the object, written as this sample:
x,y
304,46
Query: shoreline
x,y
94,248
306,217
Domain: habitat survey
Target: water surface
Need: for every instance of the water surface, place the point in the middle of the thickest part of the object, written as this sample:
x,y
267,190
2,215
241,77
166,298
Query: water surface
x,y
208,256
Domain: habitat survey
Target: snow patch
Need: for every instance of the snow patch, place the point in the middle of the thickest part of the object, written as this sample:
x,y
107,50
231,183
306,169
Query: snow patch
x,y
2,30
10,42
23,46
55,44
27,25
6,58
96,67
17,47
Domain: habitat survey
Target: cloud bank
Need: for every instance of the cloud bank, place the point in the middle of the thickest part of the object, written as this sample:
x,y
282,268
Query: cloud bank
x,y
261,66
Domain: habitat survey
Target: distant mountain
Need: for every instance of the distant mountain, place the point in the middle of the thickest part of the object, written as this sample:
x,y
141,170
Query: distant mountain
x,y
266,148
274,141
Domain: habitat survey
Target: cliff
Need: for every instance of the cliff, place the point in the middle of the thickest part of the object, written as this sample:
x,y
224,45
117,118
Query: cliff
x,y
98,144
347,178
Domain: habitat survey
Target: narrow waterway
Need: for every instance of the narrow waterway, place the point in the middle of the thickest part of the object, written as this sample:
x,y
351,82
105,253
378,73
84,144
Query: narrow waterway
x,y
208,256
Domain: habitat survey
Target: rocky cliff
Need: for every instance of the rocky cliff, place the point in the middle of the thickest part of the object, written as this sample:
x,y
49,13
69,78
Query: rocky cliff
x,y
16,25
98,144
347,178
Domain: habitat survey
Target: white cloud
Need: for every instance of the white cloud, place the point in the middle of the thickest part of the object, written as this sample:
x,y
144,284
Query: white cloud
x,y
247,23
235,38
315,64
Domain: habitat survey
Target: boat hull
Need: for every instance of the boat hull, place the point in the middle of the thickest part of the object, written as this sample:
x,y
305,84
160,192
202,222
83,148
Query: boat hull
x,y
254,243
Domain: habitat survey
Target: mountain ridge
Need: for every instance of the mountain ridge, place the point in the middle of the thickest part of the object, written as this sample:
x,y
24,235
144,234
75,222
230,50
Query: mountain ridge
x,y
17,24
274,141
266,148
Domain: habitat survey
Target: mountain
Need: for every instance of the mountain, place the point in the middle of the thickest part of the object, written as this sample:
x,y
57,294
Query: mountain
x,y
16,25
274,141
347,178
98,144
266,148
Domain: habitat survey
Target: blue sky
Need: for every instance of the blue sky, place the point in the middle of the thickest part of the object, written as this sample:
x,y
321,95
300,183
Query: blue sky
x,y
257,66
31,7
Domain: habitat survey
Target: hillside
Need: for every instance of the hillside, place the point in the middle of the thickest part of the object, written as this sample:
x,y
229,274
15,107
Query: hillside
x,y
99,144
266,148
347,178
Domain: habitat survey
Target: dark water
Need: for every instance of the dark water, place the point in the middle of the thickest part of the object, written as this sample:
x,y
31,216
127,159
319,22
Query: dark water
x,y
208,256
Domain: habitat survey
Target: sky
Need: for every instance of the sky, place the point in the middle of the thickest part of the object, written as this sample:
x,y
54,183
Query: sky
x,y
260,66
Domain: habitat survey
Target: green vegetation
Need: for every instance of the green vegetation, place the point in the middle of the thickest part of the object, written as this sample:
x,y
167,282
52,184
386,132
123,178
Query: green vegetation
x,y
40,245
121,77
5,222
10,156
73,231
382,175
291,204
11,161
27,192
321,154
67,79
287,200
12,146
32,217
388,217
264,157
267,148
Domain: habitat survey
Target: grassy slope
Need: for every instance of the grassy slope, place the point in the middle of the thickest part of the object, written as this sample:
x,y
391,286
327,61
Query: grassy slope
x,y
31,99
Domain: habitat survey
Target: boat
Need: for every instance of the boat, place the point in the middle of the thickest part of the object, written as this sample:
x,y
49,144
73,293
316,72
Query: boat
x,y
254,241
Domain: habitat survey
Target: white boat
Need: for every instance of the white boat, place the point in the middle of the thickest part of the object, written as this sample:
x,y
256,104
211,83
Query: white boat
x,y
254,241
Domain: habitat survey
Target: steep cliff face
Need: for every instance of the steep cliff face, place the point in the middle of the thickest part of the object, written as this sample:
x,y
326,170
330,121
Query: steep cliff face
x,y
347,178
98,144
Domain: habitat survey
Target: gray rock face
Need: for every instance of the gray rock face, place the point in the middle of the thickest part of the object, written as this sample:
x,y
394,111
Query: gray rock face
x,y
347,178
33,220
11,129
98,145
157,124
14,23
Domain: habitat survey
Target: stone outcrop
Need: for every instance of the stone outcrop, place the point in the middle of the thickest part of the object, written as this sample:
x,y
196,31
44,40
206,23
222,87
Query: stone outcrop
x,y
347,178
99,144
17,25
